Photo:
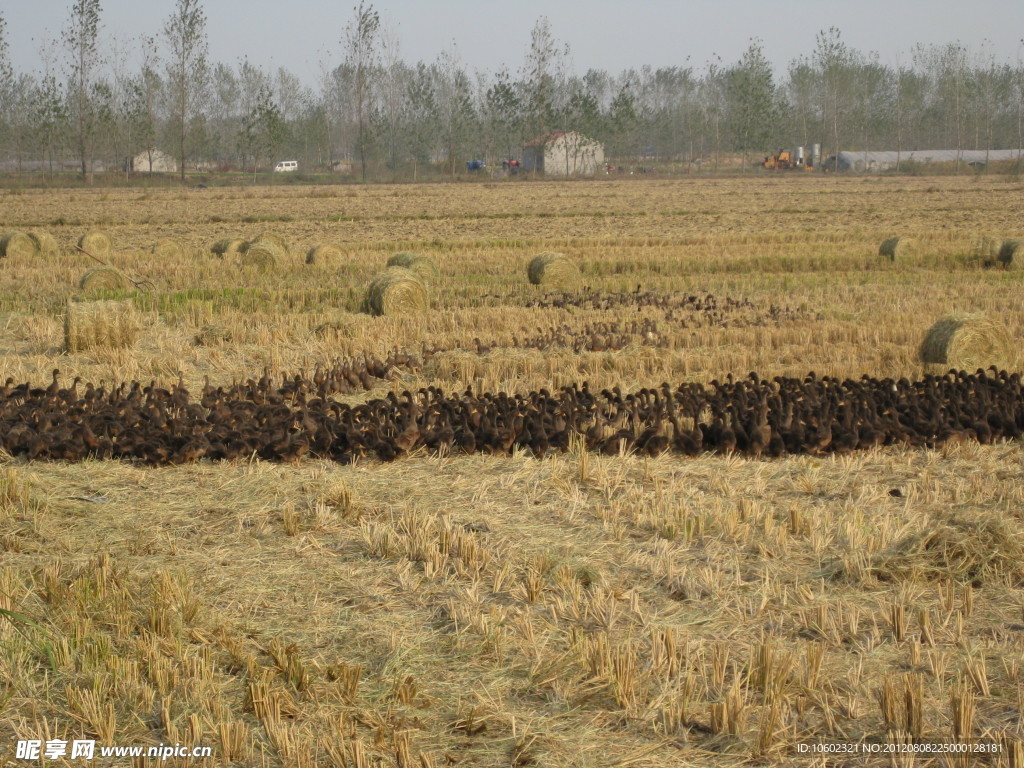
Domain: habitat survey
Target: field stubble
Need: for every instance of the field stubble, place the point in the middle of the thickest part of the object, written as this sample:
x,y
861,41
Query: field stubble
x,y
576,610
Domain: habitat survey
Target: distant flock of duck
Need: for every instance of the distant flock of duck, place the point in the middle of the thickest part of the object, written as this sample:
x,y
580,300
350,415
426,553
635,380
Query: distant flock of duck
x,y
295,416
689,310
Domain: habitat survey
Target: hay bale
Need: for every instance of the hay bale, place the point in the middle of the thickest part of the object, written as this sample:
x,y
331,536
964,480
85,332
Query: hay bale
x,y
18,245
212,334
553,269
899,248
422,265
396,291
89,324
46,245
228,246
967,342
274,238
95,242
325,254
984,250
169,248
104,279
262,254
1009,250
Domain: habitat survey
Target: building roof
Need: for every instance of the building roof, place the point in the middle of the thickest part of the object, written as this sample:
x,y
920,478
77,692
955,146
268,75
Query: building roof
x,y
929,156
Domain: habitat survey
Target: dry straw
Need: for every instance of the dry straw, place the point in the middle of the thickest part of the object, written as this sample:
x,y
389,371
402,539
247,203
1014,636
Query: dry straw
x,y
899,248
325,254
169,248
396,291
422,265
96,243
967,342
984,250
45,243
17,245
89,324
263,254
228,246
104,279
275,238
1009,250
553,269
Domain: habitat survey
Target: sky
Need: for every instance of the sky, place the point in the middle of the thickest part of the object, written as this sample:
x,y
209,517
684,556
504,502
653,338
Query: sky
x,y
305,35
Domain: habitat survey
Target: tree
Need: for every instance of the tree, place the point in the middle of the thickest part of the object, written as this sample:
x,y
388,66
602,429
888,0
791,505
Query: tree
x,y
833,61
622,121
80,38
543,77
263,129
751,93
49,118
502,115
185,31
146,91
454,106
423,115
801,84
7,85
361,58
6,73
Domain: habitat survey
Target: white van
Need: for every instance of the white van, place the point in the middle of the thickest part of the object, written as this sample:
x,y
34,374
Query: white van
x,y
286,166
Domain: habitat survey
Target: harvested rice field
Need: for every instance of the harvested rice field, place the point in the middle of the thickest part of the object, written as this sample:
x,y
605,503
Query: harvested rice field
x,y
682,494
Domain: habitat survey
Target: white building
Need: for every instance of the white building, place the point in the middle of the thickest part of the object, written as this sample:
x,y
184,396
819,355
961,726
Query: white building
x,y
861,162
563,153
153,161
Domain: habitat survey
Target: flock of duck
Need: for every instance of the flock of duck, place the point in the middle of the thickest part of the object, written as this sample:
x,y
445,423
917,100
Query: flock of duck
x,y
688,310
295,416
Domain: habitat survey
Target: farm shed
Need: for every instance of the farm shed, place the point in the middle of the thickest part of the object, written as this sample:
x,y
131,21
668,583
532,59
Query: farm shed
x,y
860,162
153,161
563,153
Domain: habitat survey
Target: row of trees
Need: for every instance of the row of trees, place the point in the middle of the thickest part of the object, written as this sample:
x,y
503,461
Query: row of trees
x,y
380,116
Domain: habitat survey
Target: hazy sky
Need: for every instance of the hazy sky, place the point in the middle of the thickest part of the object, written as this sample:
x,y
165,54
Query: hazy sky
x,y
605,34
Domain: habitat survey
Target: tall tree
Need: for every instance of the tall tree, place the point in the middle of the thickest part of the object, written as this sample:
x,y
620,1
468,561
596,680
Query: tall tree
x,y
263,129
361,58
185,31
80,37
7,88
543,77
454,106
423,116
6,72
751,93
502,113
832,58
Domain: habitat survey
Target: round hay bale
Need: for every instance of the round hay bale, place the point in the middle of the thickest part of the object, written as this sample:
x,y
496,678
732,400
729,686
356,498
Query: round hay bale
x,y
1009,250
169,248
899,248
18,244
325,254
95,242
263,255
984,250
45,243
275,238
967,342
104,279
422,265
89,324
396,291
228,246
553,269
